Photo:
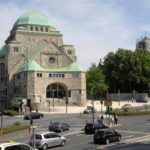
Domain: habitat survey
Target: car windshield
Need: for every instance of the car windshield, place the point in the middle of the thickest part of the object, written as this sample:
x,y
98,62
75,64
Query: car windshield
x,y
99,132
89,124
55,123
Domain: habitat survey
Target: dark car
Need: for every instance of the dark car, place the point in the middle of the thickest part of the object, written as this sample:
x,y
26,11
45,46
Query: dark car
x,y
91,128
33,115
141,100
58,126
89,110
106,136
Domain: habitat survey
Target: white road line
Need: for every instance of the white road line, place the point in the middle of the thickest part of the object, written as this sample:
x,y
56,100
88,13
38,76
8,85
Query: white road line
x,y
127,141
128,136
135,132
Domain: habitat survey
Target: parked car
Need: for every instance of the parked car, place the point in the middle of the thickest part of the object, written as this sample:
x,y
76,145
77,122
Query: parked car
x,y
141,100
89,110
127,106
92,127
58,126
15,145
106,136
45,139
34,115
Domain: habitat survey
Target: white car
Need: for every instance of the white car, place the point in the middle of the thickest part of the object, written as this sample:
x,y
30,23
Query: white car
x,y
127,106
15,146
45,139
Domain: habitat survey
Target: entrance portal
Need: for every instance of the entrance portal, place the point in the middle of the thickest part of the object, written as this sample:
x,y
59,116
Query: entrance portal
x,y
55,90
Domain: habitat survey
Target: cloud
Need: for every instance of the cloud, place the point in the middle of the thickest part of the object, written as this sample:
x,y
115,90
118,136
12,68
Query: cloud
x,y
94,27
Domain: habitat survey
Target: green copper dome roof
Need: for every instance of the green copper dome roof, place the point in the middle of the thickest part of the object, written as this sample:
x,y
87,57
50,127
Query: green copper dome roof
x,y
34,18
34,66
2,51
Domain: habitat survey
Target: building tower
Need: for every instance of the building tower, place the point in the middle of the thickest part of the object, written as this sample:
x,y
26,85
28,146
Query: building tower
x,y
143,44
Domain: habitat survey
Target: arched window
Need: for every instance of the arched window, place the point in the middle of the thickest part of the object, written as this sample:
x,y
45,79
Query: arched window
x,y
2,72
55,91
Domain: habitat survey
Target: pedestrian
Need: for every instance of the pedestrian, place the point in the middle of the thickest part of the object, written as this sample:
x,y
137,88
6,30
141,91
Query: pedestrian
x,y
86,122
37,110
31,121
115,119
50,122
102,118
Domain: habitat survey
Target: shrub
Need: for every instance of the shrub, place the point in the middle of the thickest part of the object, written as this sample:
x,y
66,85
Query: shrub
x,y
10,112
17,123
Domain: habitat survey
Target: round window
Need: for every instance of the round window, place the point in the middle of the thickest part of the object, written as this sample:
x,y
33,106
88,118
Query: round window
x,y
51,60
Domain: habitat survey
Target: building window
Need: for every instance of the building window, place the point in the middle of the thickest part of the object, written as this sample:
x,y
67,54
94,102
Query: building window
x,y
75,75
16,49
39,74
31,28
70,52
57,75
36,28
46,29
24,75
2,72
18,76
42,29
51,60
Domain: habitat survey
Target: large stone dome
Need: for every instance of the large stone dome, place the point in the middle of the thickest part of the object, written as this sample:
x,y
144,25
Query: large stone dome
x,y
32,18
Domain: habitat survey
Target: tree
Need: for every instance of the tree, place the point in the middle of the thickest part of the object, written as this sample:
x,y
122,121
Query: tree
x,y
95,81
126,70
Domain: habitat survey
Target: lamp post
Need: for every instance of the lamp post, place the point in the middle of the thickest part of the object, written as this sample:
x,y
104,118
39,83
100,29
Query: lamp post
x,y
53,98
92,105
49,104
1,131
66,102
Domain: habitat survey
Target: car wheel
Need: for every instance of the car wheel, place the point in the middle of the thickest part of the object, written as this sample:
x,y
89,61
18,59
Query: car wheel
x,y
107,141
44,147
63,143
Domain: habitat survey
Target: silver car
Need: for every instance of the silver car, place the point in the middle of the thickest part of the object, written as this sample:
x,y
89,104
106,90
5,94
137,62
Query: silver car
x,y
45,139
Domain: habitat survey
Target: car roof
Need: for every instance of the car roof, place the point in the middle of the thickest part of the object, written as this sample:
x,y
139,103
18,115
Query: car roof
x,y
10,144
43,132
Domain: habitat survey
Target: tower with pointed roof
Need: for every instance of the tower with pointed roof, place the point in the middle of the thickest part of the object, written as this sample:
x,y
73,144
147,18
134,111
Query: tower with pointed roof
x,y
35,64
143,44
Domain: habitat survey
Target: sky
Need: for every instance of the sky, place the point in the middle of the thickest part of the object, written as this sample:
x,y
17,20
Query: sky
x,y
94,27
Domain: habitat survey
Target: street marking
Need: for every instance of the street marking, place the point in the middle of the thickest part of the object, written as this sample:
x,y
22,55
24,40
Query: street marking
x,y
125,142
135,132
128,136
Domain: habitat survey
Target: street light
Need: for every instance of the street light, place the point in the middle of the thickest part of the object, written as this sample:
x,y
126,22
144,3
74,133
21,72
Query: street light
x,y
2,105
92,105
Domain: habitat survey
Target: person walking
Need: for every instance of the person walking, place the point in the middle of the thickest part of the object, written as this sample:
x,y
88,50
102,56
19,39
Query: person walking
x,y
102,118
115,119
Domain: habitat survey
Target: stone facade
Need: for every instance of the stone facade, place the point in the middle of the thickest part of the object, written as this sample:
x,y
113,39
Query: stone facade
x,y
38,66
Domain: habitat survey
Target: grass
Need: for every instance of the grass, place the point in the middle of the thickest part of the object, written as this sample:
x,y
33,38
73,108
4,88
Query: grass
x,y
15,127
121,112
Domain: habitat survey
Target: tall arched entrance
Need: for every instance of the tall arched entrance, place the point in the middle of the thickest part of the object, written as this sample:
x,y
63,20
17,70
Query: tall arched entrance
x,y
55,90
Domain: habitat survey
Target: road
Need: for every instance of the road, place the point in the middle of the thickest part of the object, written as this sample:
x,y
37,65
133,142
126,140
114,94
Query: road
x,y
133,129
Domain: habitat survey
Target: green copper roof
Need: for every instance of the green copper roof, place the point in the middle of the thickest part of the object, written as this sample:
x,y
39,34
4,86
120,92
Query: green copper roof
x,y
34,18
2,51
74,67
30,66
33,66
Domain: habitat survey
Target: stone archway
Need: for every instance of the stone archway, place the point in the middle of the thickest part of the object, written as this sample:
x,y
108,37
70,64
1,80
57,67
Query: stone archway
x,y
56,90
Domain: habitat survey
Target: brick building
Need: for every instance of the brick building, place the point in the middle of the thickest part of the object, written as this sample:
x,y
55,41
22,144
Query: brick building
x,y
35,64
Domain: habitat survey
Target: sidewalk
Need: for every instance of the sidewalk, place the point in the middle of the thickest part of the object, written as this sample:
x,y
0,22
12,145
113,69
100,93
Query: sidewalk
x,y
79,109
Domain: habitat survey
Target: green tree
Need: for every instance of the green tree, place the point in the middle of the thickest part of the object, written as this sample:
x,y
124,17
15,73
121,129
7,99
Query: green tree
x,y
127,70
95,81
